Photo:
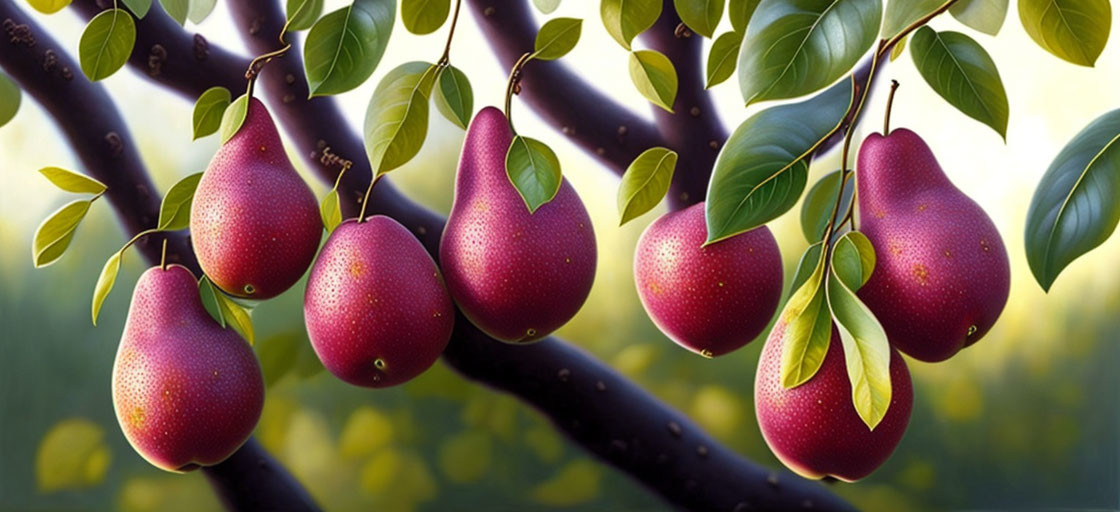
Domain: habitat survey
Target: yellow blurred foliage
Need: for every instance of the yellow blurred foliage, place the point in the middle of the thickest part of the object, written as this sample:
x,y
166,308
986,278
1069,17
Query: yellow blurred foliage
x,y
543,441
466,457
634,359
576,483
962,399
718,410
366,431
171,493
72,455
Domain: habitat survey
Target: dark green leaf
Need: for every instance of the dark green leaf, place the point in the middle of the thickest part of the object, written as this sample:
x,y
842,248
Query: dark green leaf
x,y
546,6
330,212
344,47
654,76
200,10
234,117
424,16
853,259
105,283
645,182
71,181
1077,204
397,118
959,70
175,211
534,170
701,16
817,208
106,43
903,13
9,99
723,57
454,97
210,295
625,19
794,48
867,353
1073,30
556,38
806,265
762,169
303,13
808,329
984,15
208,111
54,234
177,9
138,7
740,12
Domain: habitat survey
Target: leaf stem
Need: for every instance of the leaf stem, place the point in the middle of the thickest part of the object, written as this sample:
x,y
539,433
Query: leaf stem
x,y
446,58
365,200
514,85
260,61
890,103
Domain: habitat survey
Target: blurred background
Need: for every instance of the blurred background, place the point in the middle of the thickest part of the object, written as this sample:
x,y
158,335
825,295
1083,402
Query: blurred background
x,y
1027,418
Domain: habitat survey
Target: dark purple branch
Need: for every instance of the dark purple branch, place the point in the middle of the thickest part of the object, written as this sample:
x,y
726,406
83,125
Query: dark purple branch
x,y
250,479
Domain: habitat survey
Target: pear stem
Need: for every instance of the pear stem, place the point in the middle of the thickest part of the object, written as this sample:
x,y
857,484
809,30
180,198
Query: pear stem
x,y
258,63
365,200
514,86
890,103
163,255
446,58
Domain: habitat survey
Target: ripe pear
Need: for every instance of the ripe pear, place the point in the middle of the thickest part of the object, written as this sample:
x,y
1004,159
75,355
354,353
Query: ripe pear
x,y
814,428
255,224
942,275
517,276
187,392
710,300
376,309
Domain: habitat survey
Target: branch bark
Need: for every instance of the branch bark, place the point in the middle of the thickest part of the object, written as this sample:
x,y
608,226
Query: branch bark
x,y
250,479
597,408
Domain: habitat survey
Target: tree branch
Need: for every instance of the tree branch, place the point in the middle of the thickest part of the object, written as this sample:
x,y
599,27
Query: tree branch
x,y
597,408
250,479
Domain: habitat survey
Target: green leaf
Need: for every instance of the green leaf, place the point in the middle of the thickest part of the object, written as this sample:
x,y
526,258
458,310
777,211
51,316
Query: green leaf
x,y
454,97
235,315
210,294
54,234
106,43
867,354
1077,204
397,117
10,96
200,10
899,47
808,329
654,76
806,265
105,283
762,169
424,16
817,208
534,170
701,16
175,211
303,13
208,111
794,48
138,7
625,19
556,38
71,181
177,9
984,15
959,70
1073,30
740,12
903,13
723,57
344,47
645,182
330,211
48,6
546,6
853,259
234,117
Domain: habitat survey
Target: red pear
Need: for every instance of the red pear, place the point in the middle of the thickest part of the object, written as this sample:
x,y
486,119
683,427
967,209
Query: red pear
x,y
255,224
942,275
517,276
376,309
813,428
187,392
710,300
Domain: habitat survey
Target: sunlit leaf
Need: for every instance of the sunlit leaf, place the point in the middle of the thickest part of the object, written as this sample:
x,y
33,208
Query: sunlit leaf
x,y
10,97
200,10
645,182
1073,30
808,329
330,211
625,19
71,181
106,43
302,14
138,7
177,9
55,233
556,38
722,58
959,70
655,77
72,455
984,15
234,314
397,117
899,47
740,13
546,6
534,170
105,283
867,354
454,96
701,16
208,110
903,13
175,210
49,6
424,16
234,117
344,47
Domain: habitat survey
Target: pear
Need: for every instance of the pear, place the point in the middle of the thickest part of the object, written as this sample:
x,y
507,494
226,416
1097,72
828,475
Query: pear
x,y
376,308
942,275
813,428
517,276
255,224
187,392
710,300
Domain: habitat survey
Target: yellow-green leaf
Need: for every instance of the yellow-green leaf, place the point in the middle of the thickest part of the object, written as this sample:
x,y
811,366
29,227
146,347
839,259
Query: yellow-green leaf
x,y
54,234
236,316
424,16
303,13
645,182
48,6
106,43
723,57
208,111
175,211
10,97
71,181
397,117
556,38
177,9
625,19
853,259
329,211
806,266
200,10
808,329
984,15
534,170
234,117
655,77
1073,30
898,48
72,455
701,16
105,283
867,354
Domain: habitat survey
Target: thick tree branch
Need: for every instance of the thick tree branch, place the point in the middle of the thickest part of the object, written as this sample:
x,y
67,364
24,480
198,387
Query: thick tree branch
x,y
250,479
602,411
